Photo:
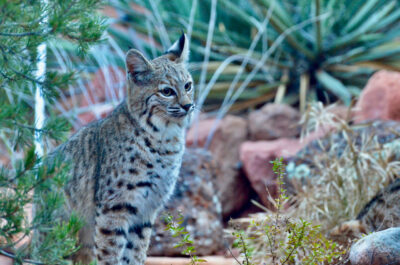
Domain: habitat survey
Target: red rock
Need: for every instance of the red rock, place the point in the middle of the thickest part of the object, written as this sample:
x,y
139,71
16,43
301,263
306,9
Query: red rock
x,y
198,132
5,261
380,99
274,121
98,89
342,112
378,248
104,86
232,186
105,82
4,156
86,117
110,12
256,157
96,112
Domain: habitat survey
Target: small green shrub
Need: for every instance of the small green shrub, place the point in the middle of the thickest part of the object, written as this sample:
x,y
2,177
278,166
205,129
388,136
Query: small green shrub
x,y
178,230
277,238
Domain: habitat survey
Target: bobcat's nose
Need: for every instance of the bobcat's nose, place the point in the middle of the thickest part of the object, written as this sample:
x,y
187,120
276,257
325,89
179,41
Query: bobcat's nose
x,y
187,107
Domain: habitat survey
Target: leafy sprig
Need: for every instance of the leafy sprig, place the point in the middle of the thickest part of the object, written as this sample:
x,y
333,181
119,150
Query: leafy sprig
x,y
177,230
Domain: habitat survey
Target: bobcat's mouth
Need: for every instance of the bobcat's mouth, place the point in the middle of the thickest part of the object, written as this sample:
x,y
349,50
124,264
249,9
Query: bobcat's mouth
x,y
177,112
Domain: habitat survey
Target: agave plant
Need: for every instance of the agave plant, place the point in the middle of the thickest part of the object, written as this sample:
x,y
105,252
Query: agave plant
x,y
253,51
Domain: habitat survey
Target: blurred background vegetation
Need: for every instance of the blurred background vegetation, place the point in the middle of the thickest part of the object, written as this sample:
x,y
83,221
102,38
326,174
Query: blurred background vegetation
x,y
26,178
246,53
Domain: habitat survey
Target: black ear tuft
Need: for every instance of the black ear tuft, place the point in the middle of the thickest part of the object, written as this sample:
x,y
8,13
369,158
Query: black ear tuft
x,y
181,44
179,50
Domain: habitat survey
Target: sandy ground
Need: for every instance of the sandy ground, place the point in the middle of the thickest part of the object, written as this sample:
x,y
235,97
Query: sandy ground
x,y
214,260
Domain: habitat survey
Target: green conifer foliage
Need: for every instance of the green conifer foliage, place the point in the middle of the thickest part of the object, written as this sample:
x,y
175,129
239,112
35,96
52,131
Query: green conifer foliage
x,y
25,178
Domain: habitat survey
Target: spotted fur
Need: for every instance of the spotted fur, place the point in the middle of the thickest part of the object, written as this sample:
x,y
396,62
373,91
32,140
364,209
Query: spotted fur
x,y
125,166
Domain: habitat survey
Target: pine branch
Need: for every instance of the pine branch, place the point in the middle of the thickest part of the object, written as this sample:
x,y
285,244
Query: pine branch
x,y
12,256
22,28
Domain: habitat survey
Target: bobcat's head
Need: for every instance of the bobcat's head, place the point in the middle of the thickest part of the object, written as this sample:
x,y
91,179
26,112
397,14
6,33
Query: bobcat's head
x,y
162,88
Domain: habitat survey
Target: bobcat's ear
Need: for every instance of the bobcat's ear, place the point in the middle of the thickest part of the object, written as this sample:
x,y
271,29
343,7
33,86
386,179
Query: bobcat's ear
x,y
179,51
136,63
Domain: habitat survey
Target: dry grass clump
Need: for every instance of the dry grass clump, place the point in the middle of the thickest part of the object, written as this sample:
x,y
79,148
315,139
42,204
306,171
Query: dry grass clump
x,y
347,168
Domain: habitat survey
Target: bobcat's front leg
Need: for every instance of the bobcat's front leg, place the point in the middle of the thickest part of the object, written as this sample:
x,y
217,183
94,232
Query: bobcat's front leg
x,y
112,229
138,243
85,253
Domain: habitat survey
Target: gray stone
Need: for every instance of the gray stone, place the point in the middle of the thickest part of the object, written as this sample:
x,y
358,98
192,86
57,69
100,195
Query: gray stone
x,y
378,248
274,121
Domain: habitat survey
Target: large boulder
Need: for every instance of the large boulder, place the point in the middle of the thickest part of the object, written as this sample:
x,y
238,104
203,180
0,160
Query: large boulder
x,y
380,99
274,121
197,134
232,186
6,261
105,87
256,157
378,248
195,197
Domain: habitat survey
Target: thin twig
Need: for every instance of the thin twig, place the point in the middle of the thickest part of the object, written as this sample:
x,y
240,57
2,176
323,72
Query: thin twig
x,y
23,34
230,251
30,127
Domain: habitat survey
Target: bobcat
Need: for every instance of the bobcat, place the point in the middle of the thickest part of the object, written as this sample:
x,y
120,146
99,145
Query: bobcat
x,y
125,166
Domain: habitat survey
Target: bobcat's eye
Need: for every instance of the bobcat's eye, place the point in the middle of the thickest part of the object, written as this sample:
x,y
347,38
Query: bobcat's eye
x,y
167,92
188,86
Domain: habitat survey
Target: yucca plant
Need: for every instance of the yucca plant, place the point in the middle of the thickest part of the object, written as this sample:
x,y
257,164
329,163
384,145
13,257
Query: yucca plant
x,y
254,51
243,53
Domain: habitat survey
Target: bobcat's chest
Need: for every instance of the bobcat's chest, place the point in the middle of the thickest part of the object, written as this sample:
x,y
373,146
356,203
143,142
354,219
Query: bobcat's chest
x,y
141,169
